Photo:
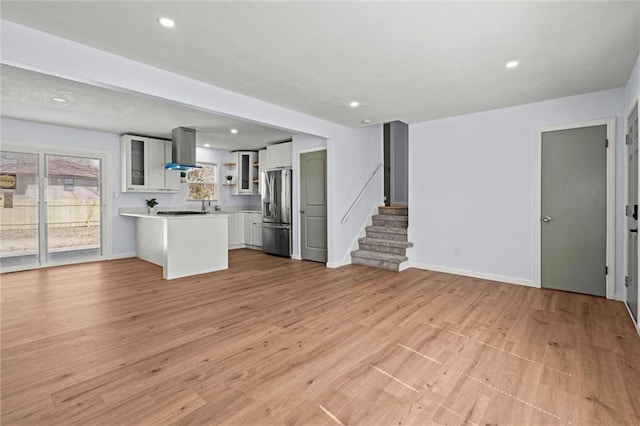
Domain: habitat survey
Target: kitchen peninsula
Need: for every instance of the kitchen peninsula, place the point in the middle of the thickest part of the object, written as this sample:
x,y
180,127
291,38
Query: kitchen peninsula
x,y
182,244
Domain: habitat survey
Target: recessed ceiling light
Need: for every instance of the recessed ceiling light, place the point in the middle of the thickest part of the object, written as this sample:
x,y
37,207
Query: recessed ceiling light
x,y
511,64
61,100
166,22
234,131
354,104
366,121
206,145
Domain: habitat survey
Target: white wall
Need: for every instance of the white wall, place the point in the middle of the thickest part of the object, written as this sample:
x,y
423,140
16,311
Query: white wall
x,y
352,158
352,154
632,89
472,186
26,133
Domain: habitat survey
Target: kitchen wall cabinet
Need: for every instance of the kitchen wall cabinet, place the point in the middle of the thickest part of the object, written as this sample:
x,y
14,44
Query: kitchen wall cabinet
x,y
279,155
142,165
247,175
262,166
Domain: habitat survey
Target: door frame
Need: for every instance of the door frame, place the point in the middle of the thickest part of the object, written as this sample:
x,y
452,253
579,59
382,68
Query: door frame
x,y
105,214
625,243
611,198
298,256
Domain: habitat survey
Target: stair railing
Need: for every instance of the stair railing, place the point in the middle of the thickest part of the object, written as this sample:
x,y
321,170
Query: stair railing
x,y
359,197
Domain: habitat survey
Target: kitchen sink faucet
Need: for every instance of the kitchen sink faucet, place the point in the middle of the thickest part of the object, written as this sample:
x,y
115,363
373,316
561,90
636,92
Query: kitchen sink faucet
x,y
203,208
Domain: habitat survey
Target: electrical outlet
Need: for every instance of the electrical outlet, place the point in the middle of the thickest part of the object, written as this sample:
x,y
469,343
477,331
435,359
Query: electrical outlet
x,y
456,251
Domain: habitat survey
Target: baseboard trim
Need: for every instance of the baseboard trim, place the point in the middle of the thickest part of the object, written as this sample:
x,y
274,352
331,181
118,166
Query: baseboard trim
x,y
121,256
344,262
637,325
474,274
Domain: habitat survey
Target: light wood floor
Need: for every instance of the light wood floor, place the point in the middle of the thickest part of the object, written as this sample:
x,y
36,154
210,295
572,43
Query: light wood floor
x,y
277,341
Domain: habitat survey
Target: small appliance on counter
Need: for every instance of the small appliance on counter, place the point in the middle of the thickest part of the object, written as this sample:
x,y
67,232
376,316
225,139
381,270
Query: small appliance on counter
x,y
276,212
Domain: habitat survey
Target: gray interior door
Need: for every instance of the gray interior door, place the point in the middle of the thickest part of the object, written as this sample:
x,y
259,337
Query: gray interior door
x,y
574,210
396,163
313,206
631,280
387,163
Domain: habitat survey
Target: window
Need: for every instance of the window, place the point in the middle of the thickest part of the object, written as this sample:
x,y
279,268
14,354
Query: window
x,y
202,182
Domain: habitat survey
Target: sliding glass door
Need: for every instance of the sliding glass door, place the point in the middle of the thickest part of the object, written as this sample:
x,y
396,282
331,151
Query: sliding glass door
x,y
51,209
73,200
19,210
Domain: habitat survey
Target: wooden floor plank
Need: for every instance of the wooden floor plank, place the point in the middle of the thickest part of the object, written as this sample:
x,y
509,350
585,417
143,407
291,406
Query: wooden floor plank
x,y
279,341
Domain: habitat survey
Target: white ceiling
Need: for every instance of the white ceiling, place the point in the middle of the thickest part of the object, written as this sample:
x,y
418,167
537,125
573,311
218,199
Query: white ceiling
x,y
28,95
409,61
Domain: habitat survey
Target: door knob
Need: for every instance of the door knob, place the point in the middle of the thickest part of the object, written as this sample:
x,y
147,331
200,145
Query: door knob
x,y
546,219
302,211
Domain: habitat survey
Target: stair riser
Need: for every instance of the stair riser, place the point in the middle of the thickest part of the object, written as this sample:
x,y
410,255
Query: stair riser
x,y
383,249
391,223
387,243
396,212
376,264
387,236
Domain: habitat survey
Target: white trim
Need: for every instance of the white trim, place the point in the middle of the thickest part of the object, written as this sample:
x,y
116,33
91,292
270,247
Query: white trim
x,y
106,166
611,170
474,274
343,262
122,256
636,325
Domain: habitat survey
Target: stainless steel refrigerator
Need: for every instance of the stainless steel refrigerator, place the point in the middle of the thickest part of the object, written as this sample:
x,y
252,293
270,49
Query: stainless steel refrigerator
x,y
276,212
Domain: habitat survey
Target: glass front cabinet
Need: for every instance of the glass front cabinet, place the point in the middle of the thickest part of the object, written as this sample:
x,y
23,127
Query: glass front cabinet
x,y
142,165
247,183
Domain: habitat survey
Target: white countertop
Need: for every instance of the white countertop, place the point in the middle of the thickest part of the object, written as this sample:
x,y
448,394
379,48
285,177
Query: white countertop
x,y
216,215
142,212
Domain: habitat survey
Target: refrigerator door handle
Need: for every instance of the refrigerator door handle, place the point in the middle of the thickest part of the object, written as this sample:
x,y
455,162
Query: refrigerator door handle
x,y
272,225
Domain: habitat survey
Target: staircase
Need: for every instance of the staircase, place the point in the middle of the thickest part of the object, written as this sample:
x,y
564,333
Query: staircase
x,y
385,245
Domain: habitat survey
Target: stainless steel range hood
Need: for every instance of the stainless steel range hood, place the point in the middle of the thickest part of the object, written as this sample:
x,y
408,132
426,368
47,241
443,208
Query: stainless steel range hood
x,y
183,149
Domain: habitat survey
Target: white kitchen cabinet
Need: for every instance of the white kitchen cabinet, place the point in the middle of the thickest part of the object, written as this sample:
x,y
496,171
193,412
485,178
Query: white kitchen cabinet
x,y
248,233
135,163
253,229
245,230
143,161
279,155
256,229
236,237
230,231
262,166
247,183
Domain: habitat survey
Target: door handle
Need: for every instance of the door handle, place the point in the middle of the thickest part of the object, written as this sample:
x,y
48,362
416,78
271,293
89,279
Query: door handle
x,y
546,219
302,211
